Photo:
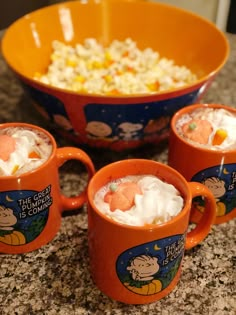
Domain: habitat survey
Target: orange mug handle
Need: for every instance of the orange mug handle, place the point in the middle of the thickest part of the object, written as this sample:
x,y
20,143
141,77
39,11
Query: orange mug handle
x,y
203,227
70,153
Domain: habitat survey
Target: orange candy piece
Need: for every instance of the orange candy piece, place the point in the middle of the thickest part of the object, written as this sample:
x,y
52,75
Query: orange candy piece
x,y
34,155
197,130
7,146
121,196
219,136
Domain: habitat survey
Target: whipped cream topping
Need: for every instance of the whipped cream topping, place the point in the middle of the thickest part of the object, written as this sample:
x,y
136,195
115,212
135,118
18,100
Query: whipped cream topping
x,y
219,119
159,202
26,142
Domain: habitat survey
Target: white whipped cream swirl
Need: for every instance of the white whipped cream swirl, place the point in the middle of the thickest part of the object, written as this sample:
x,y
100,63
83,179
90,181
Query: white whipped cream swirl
x,y
159,202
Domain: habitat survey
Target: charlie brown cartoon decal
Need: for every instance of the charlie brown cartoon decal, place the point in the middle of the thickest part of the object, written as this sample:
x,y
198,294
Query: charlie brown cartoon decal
x,y
221,180
23,215
150,267
114,123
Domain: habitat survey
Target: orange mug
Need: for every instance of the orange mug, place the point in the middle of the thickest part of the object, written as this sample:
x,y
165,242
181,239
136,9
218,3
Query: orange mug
x,y
213,168
142,264
31,203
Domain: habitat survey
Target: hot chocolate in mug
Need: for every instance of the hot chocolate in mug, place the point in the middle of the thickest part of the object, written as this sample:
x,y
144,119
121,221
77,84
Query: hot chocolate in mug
x,y
202,147
141,264
31,203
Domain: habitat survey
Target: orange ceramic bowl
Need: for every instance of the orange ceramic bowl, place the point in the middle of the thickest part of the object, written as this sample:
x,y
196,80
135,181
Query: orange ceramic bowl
x,y
115,122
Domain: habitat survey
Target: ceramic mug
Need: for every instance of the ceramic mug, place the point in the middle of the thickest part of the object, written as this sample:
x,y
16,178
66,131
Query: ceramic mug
x,y
214,168
121,254
31,203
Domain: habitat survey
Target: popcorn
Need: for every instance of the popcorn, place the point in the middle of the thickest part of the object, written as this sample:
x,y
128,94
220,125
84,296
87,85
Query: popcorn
x,y
120,68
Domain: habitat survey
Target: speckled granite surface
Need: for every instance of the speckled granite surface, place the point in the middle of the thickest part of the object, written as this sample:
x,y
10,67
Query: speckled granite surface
x,y
55,279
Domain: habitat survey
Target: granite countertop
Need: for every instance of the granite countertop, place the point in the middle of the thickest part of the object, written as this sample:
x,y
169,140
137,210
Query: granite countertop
x,y
55,279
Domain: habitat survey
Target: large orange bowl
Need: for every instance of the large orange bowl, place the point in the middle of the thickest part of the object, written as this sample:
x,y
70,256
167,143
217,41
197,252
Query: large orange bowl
x,y
117,122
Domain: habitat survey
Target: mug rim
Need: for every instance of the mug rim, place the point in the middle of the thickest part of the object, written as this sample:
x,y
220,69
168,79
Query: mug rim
x,y
34,127
191,108
187,199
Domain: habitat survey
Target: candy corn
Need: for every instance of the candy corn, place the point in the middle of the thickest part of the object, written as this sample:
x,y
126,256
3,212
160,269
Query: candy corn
x,y
219,136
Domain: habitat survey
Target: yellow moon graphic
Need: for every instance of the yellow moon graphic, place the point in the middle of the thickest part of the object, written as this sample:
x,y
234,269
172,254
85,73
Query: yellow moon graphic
x,y
225,171
156,247
8,198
